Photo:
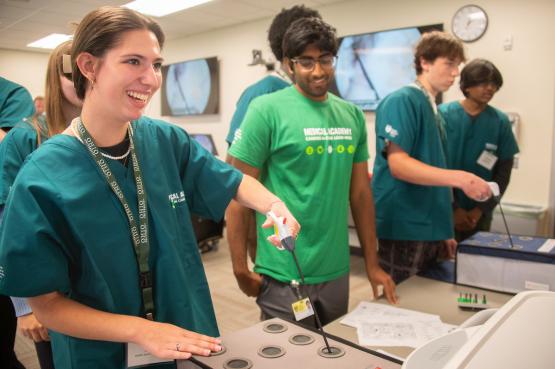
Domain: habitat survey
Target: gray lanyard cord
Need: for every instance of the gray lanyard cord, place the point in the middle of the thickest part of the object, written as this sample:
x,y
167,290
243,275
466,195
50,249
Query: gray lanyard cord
x,y
139,234
440,122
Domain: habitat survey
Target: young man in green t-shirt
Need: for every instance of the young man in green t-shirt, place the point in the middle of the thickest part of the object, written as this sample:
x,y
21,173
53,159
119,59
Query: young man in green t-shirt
x,y
271,83
412,188
310,148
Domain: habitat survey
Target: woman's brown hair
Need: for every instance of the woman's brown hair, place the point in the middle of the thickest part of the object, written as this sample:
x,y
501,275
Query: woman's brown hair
x,y
101,30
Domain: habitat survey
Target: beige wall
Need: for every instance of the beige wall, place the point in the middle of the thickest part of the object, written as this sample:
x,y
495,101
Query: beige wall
x,y
233,48
528,69
26,68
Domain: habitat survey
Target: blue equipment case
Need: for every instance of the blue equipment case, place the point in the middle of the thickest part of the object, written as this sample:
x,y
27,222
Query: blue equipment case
x,y
487,260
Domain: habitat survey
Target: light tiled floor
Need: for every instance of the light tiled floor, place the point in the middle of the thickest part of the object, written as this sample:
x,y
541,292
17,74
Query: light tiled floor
x,y
234,310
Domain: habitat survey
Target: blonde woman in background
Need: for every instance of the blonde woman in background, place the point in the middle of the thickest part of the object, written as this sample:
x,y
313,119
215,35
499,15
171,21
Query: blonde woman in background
x,y
61,106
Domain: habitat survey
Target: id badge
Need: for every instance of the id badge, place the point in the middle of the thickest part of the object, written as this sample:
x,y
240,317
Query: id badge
x,y
487,160
302,309
137,357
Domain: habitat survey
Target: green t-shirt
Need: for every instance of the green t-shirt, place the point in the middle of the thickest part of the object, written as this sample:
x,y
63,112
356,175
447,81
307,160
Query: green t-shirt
x,y
305,151
65,230
265,86
406,211
16,103
468,138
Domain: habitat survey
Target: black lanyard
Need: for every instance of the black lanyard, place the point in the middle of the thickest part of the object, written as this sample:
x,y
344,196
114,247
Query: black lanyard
x,y
139,234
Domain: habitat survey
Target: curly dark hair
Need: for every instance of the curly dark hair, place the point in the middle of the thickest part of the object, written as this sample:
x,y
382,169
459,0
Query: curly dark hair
x,y
281,23
480,71
309,31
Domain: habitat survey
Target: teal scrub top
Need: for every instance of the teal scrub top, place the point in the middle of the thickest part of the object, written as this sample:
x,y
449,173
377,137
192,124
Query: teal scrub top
x,y
21,141
65,230
406,211
468,138
265,86
16,103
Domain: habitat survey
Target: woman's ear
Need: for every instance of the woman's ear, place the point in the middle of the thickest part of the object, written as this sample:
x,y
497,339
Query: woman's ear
x,y
88,66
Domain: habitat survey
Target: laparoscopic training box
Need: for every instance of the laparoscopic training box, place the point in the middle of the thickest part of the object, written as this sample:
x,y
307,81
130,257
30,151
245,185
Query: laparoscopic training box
x,y
487,260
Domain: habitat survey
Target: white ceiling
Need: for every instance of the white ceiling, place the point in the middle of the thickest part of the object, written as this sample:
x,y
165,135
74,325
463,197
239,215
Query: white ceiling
x,y
24,21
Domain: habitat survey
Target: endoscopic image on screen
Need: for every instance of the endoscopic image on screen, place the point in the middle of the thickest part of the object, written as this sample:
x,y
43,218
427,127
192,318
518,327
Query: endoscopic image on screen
x,y
190,88
206,141
371,66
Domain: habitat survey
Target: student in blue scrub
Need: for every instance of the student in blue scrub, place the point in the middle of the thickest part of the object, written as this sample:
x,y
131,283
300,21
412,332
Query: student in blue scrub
x,y
271,83
16,103
62,106
411,182
480,141
100,215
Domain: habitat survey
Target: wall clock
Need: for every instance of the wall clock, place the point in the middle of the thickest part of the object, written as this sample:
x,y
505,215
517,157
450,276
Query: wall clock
x,y
469,23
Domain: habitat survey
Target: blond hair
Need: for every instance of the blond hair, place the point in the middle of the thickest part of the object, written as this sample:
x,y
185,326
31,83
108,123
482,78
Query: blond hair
x,y
54,96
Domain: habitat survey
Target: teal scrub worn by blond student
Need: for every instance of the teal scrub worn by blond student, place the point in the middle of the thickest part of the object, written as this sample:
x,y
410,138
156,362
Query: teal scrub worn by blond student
x,y
265,86
469,137
19,142
16,103
14,149
305,151
406,211
80,243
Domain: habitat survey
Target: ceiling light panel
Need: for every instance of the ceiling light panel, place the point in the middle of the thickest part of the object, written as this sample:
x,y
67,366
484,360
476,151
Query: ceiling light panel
x,y
159,8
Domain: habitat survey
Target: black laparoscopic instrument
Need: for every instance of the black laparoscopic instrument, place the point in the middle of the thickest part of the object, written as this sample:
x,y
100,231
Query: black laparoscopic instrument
x,y
497,197
288,243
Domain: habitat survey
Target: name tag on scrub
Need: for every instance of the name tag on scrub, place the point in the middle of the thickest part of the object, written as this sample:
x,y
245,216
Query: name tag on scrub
x,y
487,160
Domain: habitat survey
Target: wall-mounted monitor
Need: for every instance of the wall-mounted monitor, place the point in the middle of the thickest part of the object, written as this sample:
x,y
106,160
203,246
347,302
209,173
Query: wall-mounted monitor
x,y
206,141
191,87
372,65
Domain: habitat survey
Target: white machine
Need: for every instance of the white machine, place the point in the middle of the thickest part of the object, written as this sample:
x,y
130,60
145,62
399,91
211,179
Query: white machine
x,y
520,334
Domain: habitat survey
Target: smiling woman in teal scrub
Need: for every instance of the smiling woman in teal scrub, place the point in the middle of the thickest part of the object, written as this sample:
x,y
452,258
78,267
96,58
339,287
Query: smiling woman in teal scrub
x,y
479,141
100,215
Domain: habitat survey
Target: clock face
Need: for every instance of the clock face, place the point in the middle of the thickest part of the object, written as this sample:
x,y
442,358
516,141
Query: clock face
x,y
470,23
